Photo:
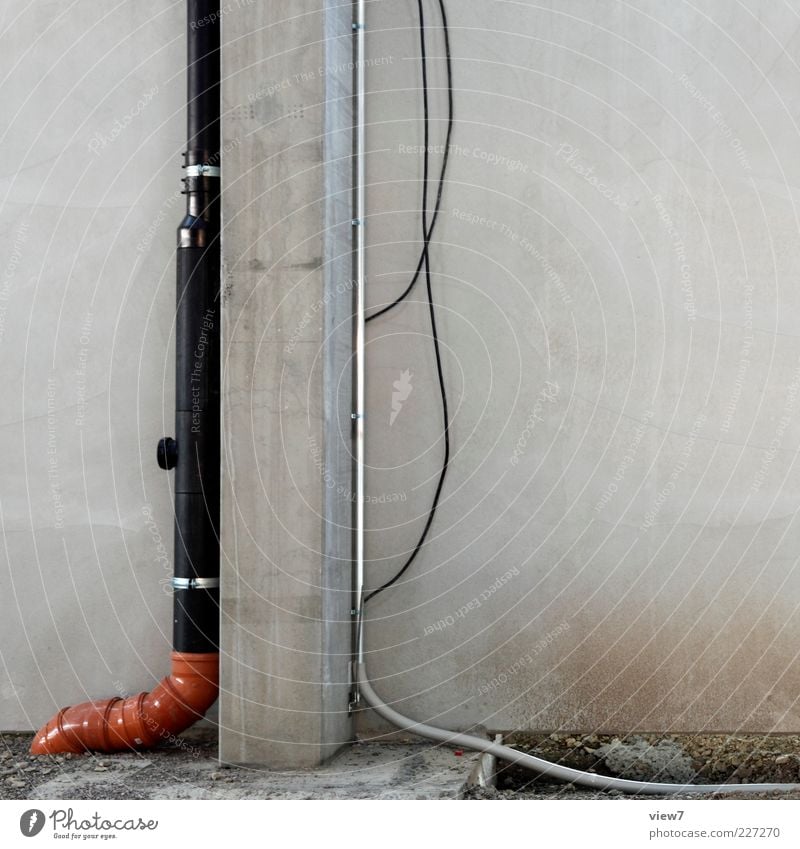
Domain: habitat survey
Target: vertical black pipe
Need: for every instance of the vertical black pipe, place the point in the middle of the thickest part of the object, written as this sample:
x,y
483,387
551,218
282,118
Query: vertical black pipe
x,y
195,452
203,77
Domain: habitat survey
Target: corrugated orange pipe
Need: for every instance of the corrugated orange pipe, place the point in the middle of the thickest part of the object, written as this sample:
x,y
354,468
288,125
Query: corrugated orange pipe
x,y
118,725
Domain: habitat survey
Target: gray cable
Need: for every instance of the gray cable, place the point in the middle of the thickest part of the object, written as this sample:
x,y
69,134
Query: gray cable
x,y
551,770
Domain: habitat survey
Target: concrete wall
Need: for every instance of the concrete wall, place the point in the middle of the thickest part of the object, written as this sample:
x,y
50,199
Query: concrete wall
x,y
615,267
616,271
287,502
91,138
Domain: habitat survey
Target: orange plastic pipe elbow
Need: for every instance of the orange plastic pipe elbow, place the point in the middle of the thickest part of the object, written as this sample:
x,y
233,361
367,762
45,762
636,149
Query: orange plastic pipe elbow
x,y
139,722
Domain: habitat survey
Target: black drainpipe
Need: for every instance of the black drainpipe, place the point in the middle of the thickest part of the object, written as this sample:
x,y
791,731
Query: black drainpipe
x,y
180,699
194,453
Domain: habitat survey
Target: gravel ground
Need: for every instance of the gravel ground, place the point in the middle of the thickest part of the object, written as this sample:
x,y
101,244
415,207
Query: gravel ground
x,y
412,770
190,770
100,776
698,758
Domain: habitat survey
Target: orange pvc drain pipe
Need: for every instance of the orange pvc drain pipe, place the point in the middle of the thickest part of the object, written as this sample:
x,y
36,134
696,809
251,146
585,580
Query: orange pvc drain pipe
x,y
183,697
139,722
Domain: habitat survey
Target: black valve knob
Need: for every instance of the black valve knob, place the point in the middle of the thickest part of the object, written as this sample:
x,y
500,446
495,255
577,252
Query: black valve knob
x,y
167,453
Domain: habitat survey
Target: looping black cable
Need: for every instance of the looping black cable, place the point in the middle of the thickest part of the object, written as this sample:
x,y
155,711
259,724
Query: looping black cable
x,y
427,234
424,262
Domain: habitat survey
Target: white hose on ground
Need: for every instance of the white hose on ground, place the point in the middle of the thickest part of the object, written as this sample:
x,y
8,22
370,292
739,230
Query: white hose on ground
x,y
551,770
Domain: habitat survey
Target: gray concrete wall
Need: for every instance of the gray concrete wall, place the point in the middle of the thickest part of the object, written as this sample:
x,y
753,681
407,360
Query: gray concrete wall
x,y
616,270
615,267
91,136
286,383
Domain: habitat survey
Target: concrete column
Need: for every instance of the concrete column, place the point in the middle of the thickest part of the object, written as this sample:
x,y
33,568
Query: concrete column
x,y
286,503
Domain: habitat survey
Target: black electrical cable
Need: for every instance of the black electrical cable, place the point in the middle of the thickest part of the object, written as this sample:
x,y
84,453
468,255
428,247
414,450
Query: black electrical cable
x,y
425,262
445,159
